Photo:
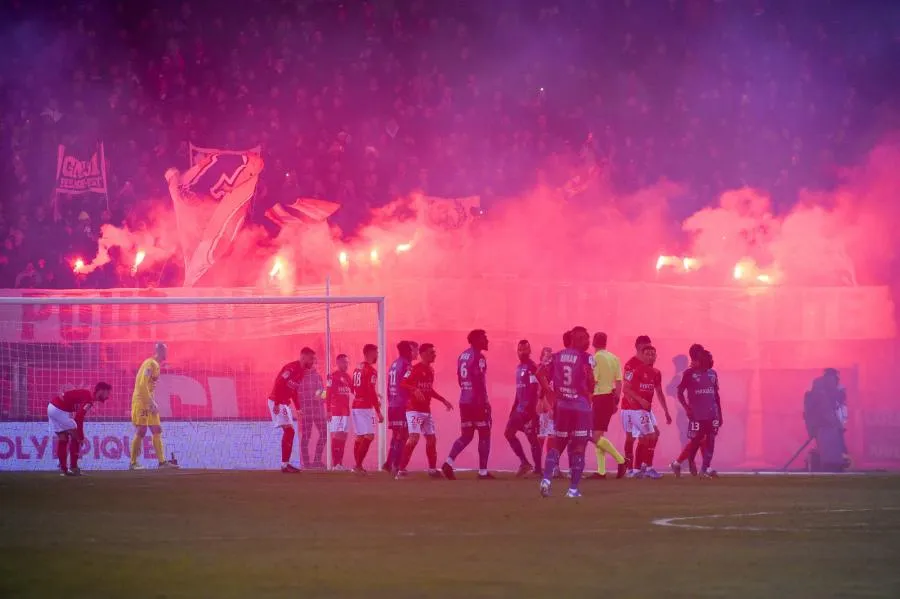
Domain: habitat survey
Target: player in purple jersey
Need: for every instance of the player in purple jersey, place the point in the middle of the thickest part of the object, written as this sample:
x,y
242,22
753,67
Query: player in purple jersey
x,y
523,417
474,409
572,376
704,408
398,397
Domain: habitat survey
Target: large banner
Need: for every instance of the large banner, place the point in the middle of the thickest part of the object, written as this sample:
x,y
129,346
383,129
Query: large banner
x,y
76,175
210,445
211,201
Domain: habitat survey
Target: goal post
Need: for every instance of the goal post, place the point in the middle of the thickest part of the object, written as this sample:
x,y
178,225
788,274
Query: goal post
x,y
224,355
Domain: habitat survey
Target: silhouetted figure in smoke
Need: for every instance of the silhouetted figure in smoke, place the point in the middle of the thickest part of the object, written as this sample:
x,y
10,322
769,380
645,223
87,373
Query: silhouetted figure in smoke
x,y
824,412
680,362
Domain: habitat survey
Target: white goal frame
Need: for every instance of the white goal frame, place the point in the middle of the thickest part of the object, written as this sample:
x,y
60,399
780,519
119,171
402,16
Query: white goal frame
x,y
327,301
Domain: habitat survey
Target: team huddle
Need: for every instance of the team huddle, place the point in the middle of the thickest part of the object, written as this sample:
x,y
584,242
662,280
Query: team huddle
x,y
561,404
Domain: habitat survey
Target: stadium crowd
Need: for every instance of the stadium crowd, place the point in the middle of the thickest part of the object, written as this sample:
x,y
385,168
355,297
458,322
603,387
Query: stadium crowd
x,y
359,102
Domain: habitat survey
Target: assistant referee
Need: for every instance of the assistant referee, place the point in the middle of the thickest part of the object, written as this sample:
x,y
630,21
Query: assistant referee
x,y
608,387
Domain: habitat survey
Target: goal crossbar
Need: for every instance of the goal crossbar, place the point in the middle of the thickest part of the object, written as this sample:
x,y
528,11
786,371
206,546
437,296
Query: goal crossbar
x,y
148,300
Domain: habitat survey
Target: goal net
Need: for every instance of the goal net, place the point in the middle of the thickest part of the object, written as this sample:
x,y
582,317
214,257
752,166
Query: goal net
x,y
223,358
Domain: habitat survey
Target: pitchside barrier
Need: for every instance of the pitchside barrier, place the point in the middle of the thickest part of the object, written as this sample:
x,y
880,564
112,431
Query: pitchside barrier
x,y
224,355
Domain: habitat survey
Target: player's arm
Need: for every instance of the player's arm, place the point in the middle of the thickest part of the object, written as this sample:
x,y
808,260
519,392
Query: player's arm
x,y
618,380
442,399
376,398
719,403
541,375
682,387
662,398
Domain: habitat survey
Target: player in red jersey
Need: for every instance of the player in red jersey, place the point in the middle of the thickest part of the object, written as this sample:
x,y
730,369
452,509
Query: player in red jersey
x,y
642,382
626,403
366,405
337,399
419,382
284,391
65,415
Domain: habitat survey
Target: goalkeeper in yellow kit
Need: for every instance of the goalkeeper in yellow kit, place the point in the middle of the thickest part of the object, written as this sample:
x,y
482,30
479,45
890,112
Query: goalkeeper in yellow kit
x,y
145,411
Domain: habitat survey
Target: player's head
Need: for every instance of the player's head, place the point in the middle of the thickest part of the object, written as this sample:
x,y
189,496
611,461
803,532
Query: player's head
x,y
648,355
600,341
680,362
523,349
414,347
546,355
161,351
695,351
640,343
567,339
704,360
370,353
427,353
307,357
405,350
343,362
478,339
831,377
102,391
581,339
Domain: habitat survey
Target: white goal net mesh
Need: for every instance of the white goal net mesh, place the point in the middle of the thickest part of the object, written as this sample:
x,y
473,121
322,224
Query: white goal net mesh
x,y
222,363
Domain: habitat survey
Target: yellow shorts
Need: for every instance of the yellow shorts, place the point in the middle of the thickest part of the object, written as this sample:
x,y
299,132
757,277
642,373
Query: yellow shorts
x,y
141,415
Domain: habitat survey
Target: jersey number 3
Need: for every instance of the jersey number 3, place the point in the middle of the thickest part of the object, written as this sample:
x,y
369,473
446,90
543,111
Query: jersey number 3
x,y
567,376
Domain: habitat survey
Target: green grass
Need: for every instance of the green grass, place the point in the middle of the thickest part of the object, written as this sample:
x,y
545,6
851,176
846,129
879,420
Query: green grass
x,y
155,534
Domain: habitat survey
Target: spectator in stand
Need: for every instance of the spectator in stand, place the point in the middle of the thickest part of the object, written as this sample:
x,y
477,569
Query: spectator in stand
x,y
361,102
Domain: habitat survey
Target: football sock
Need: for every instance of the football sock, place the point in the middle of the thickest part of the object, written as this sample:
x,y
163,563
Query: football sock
x,y
601,458
74,450
136,443
709,445
357,443
287,443
609,448
629,449
460,444
576,459
364,449
62,448
407,455
552,462
396,451
337,450
639,454
158,447
516,447
536,450
650,451
484,448
431,451
688,451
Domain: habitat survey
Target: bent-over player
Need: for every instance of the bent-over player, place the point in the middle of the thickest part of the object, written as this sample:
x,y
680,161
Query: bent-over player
x,y
65,415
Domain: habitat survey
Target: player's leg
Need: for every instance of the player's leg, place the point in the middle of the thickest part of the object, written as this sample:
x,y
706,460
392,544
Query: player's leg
x,y
156,439
708,447
628,448
576,463
690,448
399,434
513,426
467,433
62,451
408,450
74,451
338,428
551,462
287,448
531,433
431,454
483,426
364,425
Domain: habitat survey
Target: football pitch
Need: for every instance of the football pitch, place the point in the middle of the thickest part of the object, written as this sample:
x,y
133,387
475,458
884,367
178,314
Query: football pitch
x,y
255,534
